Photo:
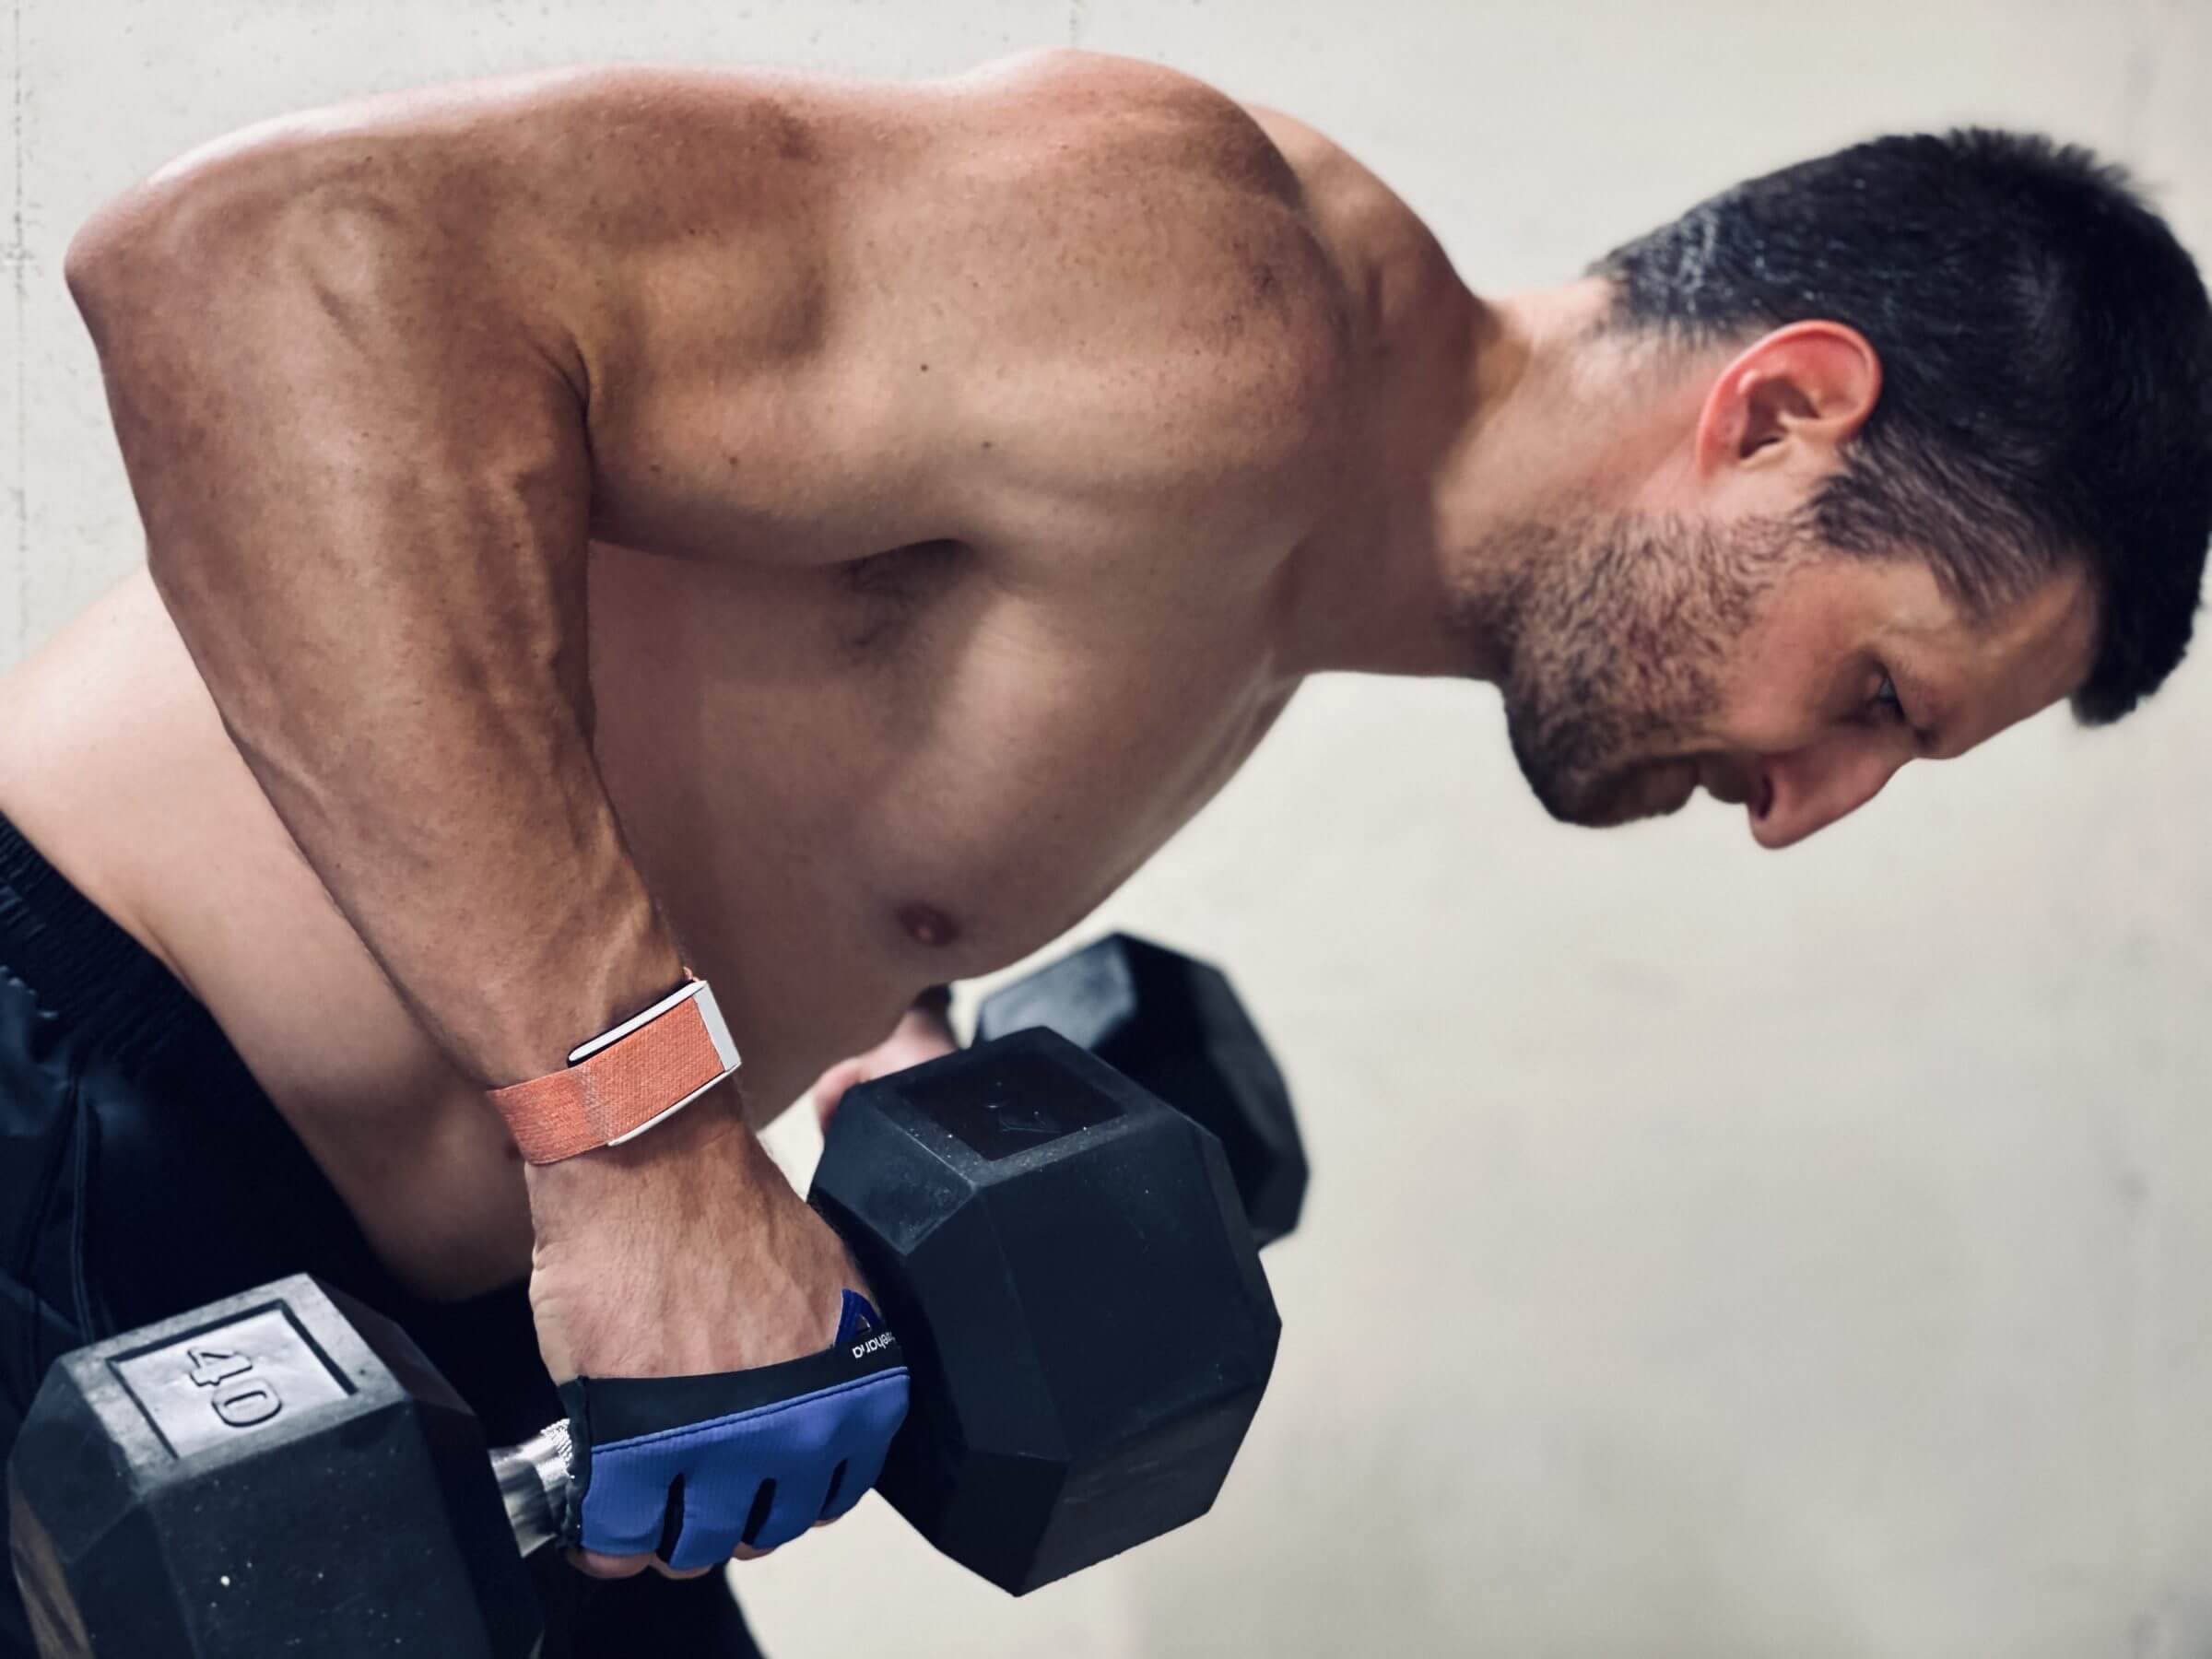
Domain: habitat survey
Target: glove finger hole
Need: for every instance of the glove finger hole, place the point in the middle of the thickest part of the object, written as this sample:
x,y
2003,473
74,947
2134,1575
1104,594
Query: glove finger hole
x,y
856,1475
672,1521
757,1517
797,1506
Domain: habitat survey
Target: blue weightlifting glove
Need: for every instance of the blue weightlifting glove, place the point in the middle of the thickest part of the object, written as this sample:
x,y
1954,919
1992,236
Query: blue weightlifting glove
x,y
688,1469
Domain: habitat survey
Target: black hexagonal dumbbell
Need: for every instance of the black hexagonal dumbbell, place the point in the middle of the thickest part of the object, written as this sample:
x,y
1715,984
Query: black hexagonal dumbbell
x,y
280,1472
1068,1268
1175,1026
1063,1257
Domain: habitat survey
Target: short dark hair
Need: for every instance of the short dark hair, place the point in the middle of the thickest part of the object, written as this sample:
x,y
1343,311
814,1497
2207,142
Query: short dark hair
x,y
2046,348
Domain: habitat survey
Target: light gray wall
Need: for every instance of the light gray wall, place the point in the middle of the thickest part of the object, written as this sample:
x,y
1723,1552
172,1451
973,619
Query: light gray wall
x,y
1710,1255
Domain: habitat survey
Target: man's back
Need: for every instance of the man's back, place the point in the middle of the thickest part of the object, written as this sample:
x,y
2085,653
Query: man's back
x,y
950,449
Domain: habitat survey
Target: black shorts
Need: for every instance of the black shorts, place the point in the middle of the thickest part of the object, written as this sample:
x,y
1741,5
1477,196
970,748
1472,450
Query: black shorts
x,y
142,1172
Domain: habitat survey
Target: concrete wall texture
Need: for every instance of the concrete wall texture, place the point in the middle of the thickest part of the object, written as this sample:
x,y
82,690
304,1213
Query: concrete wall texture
x,y
1709,1253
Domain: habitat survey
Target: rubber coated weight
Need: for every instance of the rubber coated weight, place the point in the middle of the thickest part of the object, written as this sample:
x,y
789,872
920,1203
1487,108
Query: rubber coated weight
x,y
1083,1309
1173,1025
282,1472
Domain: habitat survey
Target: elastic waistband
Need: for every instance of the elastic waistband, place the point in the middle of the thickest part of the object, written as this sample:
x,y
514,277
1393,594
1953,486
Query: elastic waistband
x,y
81,968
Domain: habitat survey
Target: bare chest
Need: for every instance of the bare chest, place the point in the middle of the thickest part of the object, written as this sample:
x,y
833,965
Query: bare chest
x,y
853,783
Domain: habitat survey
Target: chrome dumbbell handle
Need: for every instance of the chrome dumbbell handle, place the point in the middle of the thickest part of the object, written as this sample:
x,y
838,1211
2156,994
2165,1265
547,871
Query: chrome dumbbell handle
x,y
534,1485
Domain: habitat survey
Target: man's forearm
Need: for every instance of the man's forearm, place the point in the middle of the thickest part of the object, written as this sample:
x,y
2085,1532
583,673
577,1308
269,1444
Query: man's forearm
x,y
365,492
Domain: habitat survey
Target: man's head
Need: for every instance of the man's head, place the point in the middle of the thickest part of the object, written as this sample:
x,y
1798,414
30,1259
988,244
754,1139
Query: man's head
x,y
1936,452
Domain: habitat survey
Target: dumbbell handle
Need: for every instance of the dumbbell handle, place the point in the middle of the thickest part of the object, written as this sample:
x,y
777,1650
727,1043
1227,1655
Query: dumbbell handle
x,y
534,1485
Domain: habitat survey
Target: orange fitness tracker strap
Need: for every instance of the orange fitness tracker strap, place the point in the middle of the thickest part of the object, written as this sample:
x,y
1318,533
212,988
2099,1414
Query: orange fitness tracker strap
x,y
624,1081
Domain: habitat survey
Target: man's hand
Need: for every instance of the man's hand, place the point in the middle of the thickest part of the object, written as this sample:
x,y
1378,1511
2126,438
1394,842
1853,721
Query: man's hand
x,y
684,1252
922,1034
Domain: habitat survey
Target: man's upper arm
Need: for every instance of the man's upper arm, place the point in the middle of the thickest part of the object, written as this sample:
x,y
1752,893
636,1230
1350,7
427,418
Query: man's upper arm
x,y
310,307
284,341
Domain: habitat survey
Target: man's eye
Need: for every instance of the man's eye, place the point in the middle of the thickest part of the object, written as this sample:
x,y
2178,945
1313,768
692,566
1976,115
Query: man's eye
x,y
1887,704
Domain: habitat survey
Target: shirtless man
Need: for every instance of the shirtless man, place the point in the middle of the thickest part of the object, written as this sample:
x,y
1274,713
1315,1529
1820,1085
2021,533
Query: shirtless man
x,y
958,479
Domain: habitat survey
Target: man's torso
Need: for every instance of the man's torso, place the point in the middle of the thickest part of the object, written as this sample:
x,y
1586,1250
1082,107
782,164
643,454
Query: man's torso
x,y
891,741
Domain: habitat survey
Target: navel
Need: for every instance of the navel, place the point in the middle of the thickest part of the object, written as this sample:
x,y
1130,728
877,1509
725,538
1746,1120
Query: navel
x,y
925,924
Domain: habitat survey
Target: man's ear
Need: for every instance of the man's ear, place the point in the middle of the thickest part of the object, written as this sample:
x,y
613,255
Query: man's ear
x,y
1808,387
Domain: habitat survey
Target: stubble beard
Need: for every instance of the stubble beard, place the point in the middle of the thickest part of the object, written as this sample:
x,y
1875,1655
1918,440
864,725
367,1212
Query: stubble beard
x,y
1617,628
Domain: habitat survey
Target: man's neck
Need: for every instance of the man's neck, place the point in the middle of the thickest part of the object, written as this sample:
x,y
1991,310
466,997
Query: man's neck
x,y
1483,416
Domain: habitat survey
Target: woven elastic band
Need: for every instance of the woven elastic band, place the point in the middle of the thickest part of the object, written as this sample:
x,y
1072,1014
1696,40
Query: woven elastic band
x,y
612,1094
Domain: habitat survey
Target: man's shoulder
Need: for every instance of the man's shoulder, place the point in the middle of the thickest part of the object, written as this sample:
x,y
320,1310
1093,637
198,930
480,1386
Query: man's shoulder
x,y
1093,104
1144,159
1155,269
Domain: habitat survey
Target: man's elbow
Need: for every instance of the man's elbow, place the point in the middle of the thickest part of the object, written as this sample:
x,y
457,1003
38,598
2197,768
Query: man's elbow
x,y
110,250
153,252
138,260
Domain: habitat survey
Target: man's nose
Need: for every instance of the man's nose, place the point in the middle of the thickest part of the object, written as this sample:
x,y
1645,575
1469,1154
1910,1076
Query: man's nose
x,y
1809,789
